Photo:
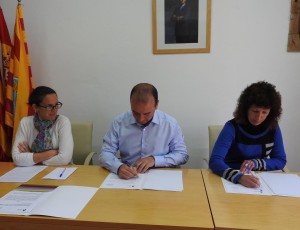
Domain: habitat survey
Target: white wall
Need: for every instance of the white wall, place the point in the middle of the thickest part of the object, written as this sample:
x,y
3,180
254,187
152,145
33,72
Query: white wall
x,y
93,52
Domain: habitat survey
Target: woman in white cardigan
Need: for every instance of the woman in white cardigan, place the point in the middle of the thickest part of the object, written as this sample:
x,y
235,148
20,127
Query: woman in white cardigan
x,y
45,138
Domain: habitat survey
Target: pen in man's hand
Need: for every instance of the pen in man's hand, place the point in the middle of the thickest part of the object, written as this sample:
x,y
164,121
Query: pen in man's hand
x,y
132,167
62,172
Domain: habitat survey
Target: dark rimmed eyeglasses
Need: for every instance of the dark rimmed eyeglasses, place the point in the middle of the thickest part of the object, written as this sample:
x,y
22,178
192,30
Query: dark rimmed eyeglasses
x,y
58,105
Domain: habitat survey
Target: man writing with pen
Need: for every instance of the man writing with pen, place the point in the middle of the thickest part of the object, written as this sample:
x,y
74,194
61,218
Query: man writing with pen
x,y
252,140
144,136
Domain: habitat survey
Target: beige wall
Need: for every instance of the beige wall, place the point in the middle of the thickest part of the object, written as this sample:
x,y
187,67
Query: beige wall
x,y
93,51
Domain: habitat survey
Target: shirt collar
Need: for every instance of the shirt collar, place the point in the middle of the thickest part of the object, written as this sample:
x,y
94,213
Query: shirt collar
x,y
154,120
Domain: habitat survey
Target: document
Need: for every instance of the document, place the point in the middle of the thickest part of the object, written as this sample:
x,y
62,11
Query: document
x,y
272,184
60,173
22,174
238,188
282,184
154,179
62,201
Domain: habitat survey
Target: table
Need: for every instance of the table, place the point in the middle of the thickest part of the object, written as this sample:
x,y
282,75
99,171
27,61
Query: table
x,y
241,211
120,209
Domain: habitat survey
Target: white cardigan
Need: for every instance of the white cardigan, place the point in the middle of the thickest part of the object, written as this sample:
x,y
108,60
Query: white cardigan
x,y
62,140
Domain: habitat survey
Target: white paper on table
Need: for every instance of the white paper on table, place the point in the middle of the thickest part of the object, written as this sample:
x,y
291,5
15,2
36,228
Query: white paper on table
x,y
276,184
22,174
155,179
60,173
282,184
113,181
24,198
238,188
63,201
168,180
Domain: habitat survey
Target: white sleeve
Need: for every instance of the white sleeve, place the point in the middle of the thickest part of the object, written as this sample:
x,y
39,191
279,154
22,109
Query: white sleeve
x,y
23,135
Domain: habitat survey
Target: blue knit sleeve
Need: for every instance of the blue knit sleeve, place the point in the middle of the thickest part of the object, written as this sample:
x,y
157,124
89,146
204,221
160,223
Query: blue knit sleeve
x,y
276,160
220,150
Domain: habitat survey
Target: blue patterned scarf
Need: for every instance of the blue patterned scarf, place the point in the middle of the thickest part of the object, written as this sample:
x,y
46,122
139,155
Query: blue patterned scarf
x,y
43,140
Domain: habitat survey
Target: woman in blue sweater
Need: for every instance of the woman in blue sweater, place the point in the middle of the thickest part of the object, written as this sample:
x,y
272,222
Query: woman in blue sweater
x,y
252,140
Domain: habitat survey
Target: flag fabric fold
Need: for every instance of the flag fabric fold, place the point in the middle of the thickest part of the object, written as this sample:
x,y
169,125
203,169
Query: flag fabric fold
x,y
5,131
19,82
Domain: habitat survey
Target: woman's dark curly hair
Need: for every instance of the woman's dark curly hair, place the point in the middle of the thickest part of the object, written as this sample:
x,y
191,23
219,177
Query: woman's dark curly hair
x,y
261,94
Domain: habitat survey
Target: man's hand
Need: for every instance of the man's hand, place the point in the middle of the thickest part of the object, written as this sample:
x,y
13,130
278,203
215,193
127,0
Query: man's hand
x,y
143,164
126,172
23,147
249,181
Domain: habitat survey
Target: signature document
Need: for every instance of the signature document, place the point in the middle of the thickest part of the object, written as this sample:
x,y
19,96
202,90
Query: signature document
x,y
154,179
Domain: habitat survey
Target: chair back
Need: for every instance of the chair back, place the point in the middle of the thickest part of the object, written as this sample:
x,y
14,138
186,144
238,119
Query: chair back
x,y
213,133
82,135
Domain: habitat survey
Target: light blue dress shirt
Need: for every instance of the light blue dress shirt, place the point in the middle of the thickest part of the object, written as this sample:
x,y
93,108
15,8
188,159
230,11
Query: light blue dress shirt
x,y
162,139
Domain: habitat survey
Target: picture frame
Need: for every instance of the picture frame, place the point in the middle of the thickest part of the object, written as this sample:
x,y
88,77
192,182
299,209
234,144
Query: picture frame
x,y
177,29
294,29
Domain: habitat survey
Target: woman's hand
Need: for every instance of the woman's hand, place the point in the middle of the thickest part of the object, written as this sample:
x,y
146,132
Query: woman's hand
x,y
247,166
249,181
23,147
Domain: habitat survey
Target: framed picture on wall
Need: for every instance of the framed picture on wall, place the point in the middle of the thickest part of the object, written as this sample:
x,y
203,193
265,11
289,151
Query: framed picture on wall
x,y
294,31
181,26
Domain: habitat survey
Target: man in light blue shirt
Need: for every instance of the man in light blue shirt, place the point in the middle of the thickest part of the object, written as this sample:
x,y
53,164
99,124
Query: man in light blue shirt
x,y
144,136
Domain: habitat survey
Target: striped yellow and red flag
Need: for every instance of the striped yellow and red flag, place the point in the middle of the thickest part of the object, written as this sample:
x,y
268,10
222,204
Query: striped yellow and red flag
x,y
5,133
20,83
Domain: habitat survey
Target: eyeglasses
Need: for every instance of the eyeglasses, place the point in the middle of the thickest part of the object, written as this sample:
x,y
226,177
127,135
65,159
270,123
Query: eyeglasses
x,y
58,105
